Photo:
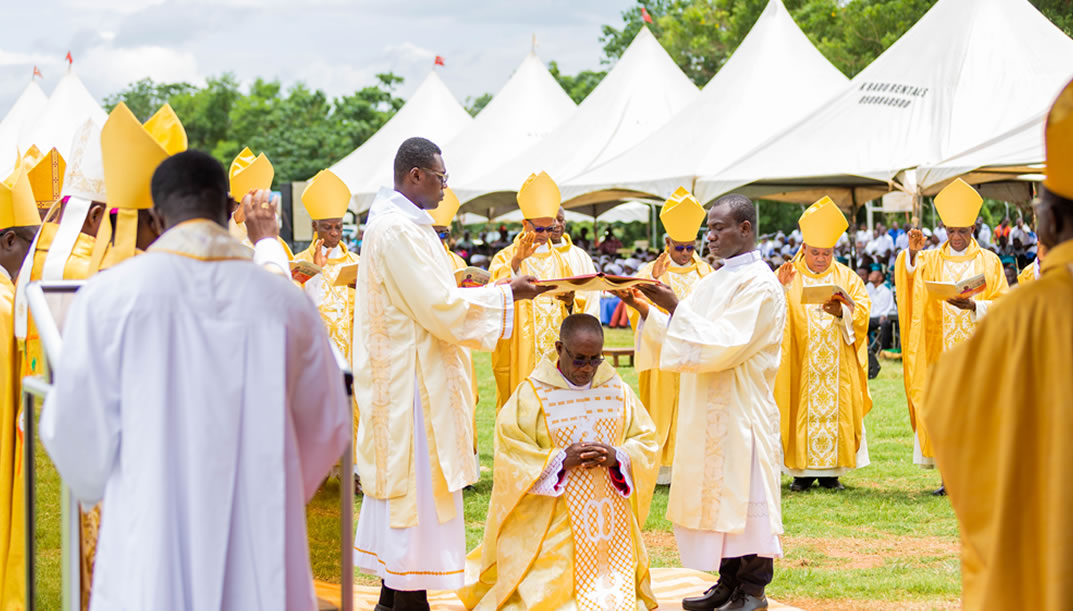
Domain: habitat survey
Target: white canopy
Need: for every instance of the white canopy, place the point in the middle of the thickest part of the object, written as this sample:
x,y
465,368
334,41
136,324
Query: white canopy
x,y
27,108
968,71
431,112
525,110
68,108
774,78
640,94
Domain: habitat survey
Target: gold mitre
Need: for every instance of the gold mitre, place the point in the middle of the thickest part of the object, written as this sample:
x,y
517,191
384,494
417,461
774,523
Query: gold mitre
x,y
682,215
822,224
445,212
17,205
249,173
539,197
131,153
45,171
85,173
326,196
958,204
1058,136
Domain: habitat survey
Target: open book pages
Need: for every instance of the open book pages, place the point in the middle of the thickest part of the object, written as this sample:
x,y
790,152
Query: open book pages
x,y
348,275
469,277
965,288
304,270
822,293
594,282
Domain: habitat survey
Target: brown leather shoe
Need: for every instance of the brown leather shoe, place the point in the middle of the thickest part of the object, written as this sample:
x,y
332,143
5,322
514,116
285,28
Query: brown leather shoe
x,y
714,597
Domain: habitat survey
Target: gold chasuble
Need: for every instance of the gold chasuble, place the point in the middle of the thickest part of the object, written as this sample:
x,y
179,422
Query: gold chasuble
x,y
1029,273
335,303
822,384
930,326
536,321
659,388
581,550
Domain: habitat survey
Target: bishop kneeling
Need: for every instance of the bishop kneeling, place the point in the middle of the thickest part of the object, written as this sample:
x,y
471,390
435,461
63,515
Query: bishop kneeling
x,y
574,445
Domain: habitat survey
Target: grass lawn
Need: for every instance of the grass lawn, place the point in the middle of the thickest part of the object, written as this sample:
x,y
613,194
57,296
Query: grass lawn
x,y
883,543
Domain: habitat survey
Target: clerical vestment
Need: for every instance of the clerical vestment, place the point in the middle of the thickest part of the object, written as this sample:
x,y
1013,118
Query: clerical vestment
x,y
12,531
822,386
235,395
458,263
536,321
1008,464
335,303
1029,273
560,539
412,380
658,388
930,327
581,265
725,339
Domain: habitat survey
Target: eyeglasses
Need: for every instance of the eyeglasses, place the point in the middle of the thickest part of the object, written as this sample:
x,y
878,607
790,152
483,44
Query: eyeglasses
x,y
688,247
442,175
443,234
581,362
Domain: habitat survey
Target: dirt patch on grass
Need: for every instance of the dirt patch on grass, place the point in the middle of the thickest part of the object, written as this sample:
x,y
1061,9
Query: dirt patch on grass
x,y
862,553
660,541
814,604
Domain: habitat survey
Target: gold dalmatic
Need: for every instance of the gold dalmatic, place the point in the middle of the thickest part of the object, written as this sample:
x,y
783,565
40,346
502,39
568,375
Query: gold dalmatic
x,y
604,564
820,385
957,323
335,303
547,311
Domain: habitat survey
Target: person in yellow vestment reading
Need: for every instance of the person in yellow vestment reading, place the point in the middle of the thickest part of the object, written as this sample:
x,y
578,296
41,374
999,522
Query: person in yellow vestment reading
x,y
822,386
1008,466
326,198
930,326
19,221
679,267
575,466
579,261
536,322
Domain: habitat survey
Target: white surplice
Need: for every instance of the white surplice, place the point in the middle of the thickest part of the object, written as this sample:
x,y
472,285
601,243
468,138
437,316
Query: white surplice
x,y
725,338
198,396
412,379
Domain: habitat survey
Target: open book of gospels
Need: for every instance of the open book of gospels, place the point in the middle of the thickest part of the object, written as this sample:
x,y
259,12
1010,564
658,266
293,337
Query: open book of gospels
x,y
348,275
469,277
820,294
303,270
949,290
593,282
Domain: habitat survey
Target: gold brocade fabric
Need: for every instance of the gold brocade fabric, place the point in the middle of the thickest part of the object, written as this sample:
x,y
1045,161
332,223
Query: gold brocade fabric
x,y
658,389
821,384
998,409
335,303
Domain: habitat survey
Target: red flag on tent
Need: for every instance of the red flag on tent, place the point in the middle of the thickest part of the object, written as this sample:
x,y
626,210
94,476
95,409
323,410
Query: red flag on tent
x,y
645,16
38,73
70,60
439,61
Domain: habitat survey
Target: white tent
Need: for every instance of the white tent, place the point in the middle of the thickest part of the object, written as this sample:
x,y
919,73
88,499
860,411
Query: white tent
x,y
68,108
640,94
774,78
968,71
27,108
431,112
627,212
525,110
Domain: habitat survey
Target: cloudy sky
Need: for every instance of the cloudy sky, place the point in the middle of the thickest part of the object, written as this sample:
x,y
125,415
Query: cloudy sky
x,y
335,45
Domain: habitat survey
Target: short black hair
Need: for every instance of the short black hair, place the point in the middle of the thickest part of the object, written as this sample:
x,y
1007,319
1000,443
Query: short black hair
x,y
190,184
580,323
741,208
414,153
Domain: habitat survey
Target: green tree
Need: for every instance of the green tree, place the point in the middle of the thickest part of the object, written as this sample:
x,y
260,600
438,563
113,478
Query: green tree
x,y
579,85
476,105
144,97
361,114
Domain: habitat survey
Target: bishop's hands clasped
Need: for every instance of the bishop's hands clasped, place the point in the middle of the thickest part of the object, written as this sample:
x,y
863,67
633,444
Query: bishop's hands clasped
x,y
589,455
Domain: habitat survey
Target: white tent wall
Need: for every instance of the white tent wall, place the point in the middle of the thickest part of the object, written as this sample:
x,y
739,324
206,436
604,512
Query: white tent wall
x,y
968,71
640,94
69,106
29,105
431,112
528,107
774,78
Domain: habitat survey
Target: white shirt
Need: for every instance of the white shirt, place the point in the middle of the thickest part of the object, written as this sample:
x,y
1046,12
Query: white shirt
x,y
182,383
940,232
880,244
882,300
902,242
863,235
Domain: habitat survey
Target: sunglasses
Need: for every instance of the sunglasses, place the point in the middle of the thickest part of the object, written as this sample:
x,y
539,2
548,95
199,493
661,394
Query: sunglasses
x,y
539,229
443,234
581,362
441,175
688,247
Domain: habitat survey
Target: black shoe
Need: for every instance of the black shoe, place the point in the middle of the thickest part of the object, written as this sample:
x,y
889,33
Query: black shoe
x,y
745,602
940,492
380,607
714,597
801,484
831,483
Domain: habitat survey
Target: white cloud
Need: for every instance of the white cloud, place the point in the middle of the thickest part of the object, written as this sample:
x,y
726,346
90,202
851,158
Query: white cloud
x,y
106,70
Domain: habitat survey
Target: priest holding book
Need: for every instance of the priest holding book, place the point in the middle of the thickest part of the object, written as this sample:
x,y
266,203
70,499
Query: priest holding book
x,y
822,385
931,326
681,268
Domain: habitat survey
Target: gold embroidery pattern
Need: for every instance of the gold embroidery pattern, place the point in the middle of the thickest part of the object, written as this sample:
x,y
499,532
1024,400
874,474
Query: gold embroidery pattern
x,y
547,311
716,428
957,323
599,516
337,306
458,389
380,371
820,384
